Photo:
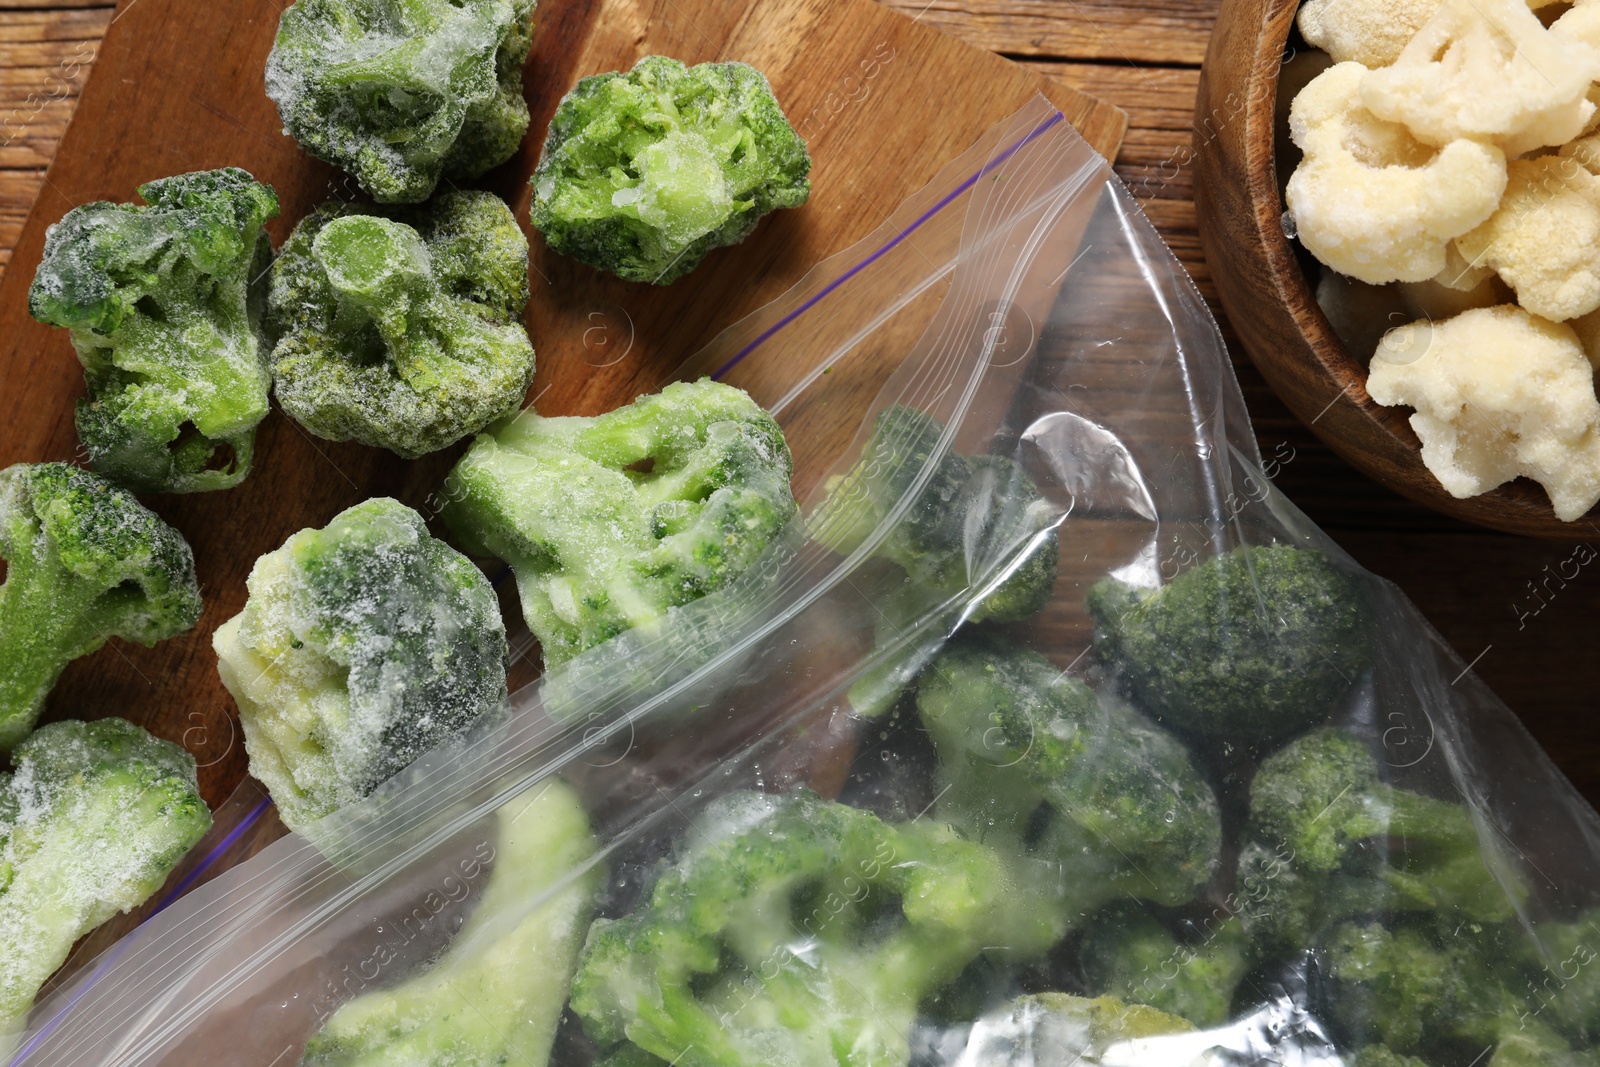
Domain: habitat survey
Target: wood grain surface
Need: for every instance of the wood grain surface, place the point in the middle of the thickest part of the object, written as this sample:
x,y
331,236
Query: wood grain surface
x,y
1500,600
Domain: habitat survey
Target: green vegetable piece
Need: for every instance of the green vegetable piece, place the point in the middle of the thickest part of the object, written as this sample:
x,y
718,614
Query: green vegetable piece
x,y
611,521
1056,1028
1331,840
1260,641
92,821
1411,987
402,330
980,521
790,930
497,994
85,562
403,94
643,173
1129,954
164,304
1034,765
362,645
1532,1045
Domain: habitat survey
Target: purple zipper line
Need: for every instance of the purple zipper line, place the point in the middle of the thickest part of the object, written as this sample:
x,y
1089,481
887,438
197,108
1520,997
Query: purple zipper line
x,y
943,203
188,880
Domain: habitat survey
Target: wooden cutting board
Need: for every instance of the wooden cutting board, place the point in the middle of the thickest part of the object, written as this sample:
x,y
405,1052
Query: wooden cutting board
x,y
882,101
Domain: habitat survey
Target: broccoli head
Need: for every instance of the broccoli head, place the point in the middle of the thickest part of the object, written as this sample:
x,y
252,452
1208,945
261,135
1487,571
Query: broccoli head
x,y
1413,986
1128,953
85,562
611,521
403,329
643,173
1260,641
979,524
164,304
403,94
1329,840
362,645
94,818
791,930
496,995
1033,764
1059,1029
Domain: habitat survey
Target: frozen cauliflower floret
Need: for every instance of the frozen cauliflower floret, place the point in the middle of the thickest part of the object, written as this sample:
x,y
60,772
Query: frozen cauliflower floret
x,y
1487,70
1369,32
1544,240
1498,393
1371,201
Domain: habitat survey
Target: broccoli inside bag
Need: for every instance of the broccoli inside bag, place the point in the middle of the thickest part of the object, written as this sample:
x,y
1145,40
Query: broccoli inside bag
x,y
1048,734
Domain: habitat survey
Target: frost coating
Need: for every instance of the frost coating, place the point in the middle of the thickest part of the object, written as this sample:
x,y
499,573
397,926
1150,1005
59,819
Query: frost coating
x,y
1486,70
403,94
643,173
1498,393
610,521
402,330
94,818
164,305
497,995
363,645
1544,239
85,562
1371,201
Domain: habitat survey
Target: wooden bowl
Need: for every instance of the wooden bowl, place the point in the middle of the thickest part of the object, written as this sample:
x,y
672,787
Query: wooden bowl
x,y
1271,301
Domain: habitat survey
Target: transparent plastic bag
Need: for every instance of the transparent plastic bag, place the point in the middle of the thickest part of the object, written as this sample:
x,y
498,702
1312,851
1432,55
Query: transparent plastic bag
x,y
898,795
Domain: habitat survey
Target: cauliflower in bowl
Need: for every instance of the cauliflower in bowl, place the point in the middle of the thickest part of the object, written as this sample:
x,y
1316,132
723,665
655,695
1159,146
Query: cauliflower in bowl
x,y
1498,393
1449,180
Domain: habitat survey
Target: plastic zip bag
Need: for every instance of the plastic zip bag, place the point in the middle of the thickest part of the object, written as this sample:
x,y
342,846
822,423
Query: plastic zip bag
x,y
883,801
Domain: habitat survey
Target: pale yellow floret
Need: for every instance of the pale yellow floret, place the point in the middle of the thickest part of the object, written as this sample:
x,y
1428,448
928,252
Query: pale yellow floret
x,y
1544,240
1487,70
1369,32
1371,201
1498,393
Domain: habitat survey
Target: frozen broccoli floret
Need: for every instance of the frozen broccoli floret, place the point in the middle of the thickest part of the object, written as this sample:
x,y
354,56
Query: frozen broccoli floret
x,y
497,994
791,930
979,529
92,820
403,94
1413,986
362,645
643,173
1260,641
1128,953
85,562
610,521
979,521
1332,840
1034,765
1558,976
164,304
402,329
1058,1029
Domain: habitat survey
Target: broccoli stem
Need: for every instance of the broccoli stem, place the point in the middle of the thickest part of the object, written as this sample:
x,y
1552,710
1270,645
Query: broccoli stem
x,y
45,623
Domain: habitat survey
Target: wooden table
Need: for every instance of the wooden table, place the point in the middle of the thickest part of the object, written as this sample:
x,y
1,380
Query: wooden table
x,y
1499,600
